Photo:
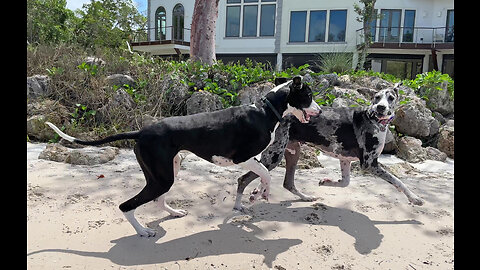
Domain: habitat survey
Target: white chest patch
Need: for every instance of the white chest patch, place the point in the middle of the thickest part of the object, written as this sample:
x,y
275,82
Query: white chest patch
x,y
222,161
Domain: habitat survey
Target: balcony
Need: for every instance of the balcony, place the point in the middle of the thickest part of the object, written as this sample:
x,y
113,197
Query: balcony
x,y
409,38
168,40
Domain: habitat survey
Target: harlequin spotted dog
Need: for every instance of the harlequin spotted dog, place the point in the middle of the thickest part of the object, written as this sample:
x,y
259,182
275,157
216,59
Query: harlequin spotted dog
x,y
226,137
348,134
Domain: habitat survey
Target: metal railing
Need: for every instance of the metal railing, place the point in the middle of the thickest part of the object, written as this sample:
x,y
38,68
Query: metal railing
x,y
412,35
161,34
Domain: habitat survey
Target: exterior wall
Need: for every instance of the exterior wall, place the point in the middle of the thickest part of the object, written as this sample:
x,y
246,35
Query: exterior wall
x,y
429,13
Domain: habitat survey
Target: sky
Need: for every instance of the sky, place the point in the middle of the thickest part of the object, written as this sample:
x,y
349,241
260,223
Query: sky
x,y
140,4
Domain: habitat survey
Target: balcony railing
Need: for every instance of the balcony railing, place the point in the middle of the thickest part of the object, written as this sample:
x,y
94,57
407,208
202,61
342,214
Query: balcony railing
x,y
409,37
162,35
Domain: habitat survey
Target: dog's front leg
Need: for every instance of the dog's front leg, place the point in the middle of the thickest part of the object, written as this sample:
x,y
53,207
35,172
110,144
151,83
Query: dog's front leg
x,y
259,169
379,171
345,181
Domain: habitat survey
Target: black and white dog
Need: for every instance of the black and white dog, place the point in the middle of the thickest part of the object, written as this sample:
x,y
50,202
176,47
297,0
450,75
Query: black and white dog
x,y
231,136
348,134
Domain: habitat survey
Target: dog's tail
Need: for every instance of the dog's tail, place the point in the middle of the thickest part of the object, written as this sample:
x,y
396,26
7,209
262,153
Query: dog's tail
x,y
116,137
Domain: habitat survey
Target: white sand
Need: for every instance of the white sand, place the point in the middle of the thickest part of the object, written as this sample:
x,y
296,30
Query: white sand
x,y
73,220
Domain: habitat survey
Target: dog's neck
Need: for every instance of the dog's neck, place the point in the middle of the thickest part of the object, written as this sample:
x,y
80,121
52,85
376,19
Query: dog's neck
x,y
274,104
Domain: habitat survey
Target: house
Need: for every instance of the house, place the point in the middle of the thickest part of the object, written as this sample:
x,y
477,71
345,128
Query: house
x,y
410,36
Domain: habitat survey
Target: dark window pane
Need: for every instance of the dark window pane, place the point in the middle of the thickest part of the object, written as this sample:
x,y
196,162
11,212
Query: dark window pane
x,y
160,24
250,1
250,21
267,20
449,33
298,20
233,1
233,21
408,25
316,30
337,27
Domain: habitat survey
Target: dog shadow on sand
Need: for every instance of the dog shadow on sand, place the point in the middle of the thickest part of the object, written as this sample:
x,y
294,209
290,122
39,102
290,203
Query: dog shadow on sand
x,y
359,226
230,238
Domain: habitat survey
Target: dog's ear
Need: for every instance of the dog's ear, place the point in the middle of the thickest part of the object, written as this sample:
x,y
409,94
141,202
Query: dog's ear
x,y
297,81
280,80
396,87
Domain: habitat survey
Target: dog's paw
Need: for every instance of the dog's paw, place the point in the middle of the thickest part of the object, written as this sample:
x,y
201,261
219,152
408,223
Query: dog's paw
x,y
416,201
178,213
307,198
146,232
325,181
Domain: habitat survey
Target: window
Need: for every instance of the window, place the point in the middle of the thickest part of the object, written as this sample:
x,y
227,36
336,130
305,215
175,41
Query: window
x,y
178,24
267,20
160,23
233,21
338,25
298,21
390,25
408,25
250,18
316,30
449,34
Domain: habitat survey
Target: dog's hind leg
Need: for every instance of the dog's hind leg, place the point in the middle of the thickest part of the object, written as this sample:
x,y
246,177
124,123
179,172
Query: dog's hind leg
x,y
379,171
159,180
292,155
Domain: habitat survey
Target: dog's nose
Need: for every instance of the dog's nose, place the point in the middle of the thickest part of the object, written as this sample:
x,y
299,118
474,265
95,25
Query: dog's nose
x,y
381,108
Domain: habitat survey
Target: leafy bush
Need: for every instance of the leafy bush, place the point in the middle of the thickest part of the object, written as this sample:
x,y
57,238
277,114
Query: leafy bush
x,y
426,82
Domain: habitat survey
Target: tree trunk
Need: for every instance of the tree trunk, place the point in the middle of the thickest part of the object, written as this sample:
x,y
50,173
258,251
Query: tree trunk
x,y
202,36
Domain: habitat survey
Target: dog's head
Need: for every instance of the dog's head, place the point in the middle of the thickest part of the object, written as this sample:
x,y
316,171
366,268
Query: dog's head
x,y
384,103
300,101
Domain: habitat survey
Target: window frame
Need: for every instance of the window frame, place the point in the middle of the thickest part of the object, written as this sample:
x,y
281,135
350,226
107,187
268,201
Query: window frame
x,y
330,23
310,25
158,29
259,4
290,27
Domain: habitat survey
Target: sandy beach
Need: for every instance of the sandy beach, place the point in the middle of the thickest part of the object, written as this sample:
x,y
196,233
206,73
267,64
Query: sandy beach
x,y
73,220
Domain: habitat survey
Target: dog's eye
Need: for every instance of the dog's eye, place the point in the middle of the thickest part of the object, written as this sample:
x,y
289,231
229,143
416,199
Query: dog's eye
x,y
391,98
377,98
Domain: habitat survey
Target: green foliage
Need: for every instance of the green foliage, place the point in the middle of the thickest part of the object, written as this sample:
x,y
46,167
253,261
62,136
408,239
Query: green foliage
x,y
355,74
103,23
81,115
49,21
426,82
335,62
89,69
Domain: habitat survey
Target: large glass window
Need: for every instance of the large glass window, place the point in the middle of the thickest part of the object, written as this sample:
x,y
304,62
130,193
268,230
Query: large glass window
x,y
267,20
233,21
160,23
316,30
408,25
178,22
250,20
337,26
243,17
298,21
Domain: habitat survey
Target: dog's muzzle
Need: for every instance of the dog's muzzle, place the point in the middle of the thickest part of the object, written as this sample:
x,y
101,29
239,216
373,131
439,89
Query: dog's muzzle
x,y
313,110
